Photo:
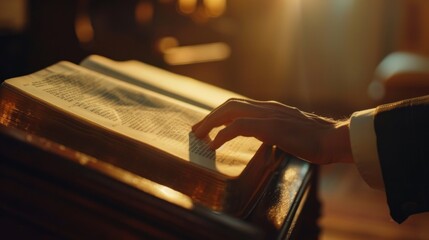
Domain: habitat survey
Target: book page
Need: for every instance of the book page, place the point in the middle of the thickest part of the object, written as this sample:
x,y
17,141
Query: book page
x,y
159,80
143,115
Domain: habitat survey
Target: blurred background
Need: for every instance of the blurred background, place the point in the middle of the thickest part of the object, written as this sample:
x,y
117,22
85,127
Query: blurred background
x,y
320,55
331,57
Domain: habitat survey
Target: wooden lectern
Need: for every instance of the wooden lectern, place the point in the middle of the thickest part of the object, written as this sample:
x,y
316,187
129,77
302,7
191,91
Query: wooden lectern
x,y
48,194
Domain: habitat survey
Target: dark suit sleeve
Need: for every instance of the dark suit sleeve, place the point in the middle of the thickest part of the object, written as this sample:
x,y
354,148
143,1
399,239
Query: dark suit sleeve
x,y
402,131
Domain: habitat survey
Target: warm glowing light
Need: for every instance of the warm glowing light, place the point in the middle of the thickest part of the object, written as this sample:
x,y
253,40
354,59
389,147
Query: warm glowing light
x,y
166,43
215,8
83,158
187,6
173,196
143,12
83,28
290,175
197,53
158,190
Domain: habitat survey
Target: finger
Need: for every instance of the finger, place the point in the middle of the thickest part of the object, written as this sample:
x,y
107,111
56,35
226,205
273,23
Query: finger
x,y
247,127
196,125
230,110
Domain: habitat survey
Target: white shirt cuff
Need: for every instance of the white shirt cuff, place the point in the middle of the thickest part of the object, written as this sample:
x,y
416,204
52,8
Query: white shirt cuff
x,y
364,147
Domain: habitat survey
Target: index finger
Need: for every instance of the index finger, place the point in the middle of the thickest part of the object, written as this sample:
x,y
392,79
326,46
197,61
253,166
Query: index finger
x,y
223,114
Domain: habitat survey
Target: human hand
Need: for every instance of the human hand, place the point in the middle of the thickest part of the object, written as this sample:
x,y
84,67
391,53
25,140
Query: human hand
x,y
308,136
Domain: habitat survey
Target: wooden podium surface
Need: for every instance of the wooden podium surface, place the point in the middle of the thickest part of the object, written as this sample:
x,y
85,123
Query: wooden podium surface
x,y
44,194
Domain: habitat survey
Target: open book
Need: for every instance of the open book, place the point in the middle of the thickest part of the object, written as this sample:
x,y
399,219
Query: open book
x,y
138,118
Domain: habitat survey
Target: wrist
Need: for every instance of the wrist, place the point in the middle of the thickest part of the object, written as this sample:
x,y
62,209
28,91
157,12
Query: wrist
x,y
337,143
342,142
